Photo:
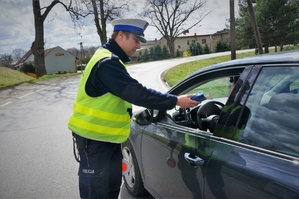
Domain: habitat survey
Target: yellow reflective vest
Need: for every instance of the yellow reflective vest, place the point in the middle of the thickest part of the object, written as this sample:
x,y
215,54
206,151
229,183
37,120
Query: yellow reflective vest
x,y
103,118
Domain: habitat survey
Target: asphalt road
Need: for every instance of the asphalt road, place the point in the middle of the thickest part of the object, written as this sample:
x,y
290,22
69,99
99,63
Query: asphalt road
x,y
36,158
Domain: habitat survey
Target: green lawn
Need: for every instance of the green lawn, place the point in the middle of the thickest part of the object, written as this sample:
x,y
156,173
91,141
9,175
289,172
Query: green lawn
x,y
10,77
179,72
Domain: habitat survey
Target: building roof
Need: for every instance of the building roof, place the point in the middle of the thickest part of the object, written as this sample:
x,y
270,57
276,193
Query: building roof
x,y
192,34
224,31
29,53
23,59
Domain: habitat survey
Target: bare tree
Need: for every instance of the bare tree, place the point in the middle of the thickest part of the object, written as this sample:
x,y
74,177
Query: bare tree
x,y
5,60
173,17
37,47
18,53
103,12
73,51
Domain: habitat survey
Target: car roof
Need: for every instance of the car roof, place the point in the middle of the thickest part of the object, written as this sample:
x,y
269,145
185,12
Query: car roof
x,y
291,56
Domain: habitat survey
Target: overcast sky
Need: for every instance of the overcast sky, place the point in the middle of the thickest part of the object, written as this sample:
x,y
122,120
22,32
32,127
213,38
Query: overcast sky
x,y
17,29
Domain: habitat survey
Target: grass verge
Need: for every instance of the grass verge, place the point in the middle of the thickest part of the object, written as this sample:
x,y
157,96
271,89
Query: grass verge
x,y
175,74
179,72
10,77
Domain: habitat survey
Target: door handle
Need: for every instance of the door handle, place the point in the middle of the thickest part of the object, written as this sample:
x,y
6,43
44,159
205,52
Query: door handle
x,y
193,160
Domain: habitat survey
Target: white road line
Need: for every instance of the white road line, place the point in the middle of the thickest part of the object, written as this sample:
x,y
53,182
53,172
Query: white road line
x,y
34,91
5,104
25,95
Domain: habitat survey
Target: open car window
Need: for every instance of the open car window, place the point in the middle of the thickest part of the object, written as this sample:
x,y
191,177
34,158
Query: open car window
x,y
216,89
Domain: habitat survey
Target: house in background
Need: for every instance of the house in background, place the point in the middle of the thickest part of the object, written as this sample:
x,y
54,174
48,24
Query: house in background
x,y
183,41
57,60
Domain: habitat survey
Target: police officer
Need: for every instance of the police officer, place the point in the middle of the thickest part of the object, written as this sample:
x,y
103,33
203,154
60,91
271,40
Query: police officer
x,y
101,118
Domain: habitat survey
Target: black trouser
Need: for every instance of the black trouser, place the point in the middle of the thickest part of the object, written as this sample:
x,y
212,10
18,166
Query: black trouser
x,y
100,173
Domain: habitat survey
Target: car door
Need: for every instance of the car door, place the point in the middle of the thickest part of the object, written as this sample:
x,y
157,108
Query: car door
x,y
174,152
167,173
255,148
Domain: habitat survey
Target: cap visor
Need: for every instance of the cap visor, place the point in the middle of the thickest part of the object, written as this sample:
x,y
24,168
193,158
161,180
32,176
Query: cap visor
x,y
141,38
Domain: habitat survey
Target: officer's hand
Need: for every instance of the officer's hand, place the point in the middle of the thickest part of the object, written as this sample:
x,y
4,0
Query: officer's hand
x,y
184,101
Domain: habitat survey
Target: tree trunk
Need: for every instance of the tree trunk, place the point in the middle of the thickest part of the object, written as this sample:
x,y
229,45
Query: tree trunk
x,y
100,30
171,48
103,35
37,47
266,47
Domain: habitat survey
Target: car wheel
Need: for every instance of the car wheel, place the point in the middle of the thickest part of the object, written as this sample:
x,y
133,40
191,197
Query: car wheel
x,y
132,177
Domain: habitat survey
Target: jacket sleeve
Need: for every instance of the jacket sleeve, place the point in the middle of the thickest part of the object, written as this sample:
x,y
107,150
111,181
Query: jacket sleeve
x,y
111,76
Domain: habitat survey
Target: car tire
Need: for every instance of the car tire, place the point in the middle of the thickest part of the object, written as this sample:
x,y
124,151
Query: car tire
x,y
132,178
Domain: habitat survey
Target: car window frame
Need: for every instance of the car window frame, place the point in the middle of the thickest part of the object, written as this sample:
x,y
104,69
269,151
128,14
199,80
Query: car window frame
x,y
252,78
204,77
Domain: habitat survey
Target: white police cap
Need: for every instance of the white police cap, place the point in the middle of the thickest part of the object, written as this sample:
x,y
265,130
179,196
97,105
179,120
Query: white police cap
x,y
136,26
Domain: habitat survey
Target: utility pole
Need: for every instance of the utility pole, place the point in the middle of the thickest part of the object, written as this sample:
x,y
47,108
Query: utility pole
x,y
82,54
255,28
232,29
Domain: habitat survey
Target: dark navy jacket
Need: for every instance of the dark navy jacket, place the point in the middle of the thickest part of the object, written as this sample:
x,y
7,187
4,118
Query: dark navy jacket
x,y
111,76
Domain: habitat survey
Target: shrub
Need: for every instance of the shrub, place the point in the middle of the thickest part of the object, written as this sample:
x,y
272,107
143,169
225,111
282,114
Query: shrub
x,y
28,67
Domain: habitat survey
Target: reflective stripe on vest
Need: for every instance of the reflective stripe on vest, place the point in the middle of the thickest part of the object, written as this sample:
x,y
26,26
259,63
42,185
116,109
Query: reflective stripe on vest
x,y
103,118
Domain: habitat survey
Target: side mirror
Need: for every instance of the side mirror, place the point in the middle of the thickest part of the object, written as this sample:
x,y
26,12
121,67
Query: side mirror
x,y
146,117
143,118
154,115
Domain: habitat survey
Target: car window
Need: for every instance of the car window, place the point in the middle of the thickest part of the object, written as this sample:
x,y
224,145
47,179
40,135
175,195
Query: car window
x,y
273,109
216,89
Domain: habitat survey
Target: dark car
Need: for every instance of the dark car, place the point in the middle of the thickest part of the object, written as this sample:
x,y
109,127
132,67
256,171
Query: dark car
x,y
241,142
